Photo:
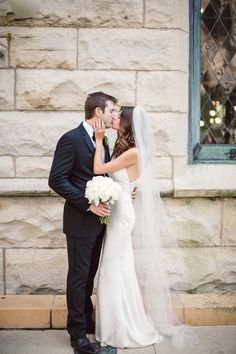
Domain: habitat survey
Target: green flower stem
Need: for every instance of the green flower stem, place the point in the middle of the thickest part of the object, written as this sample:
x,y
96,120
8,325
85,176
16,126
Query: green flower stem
x,y
105,219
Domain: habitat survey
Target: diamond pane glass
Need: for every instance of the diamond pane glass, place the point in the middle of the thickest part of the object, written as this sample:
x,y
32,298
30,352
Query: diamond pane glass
x,y
218,72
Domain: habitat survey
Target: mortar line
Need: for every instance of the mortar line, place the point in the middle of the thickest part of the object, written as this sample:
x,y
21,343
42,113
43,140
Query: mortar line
x,y
144,13
64,247
14,93
137,27
4,271
221,221
14,163
136,88
105,69
154,349
77,49
9,49
54,299
28,111
172,168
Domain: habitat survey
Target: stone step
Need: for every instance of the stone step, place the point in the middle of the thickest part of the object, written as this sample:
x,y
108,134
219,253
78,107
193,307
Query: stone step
x,y
50,311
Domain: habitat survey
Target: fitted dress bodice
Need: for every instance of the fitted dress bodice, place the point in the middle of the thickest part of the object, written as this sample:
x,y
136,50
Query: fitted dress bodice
x,y
121,177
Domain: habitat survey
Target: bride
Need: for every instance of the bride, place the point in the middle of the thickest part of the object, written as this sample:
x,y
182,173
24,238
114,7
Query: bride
x,y
133,302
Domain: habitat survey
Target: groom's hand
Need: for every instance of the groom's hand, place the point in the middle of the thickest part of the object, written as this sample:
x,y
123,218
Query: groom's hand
x,y
100,209
134,194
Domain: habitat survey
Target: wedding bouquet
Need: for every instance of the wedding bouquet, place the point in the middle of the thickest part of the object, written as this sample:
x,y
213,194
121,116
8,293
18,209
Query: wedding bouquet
x,y
102,190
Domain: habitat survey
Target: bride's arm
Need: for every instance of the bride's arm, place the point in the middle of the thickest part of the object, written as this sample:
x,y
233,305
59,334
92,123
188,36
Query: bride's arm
x,y
126,159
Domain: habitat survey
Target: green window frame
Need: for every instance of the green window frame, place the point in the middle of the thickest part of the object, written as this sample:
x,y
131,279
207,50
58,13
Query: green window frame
x,y
201,153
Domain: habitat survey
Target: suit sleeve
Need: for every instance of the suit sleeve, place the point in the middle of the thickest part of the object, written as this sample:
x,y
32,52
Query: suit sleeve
x,y
59,180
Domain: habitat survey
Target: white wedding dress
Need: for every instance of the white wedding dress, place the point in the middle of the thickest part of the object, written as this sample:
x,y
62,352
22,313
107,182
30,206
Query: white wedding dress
x,y
121,320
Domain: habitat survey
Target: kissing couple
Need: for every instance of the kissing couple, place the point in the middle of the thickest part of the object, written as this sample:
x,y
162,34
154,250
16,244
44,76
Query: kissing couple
x,y
133,302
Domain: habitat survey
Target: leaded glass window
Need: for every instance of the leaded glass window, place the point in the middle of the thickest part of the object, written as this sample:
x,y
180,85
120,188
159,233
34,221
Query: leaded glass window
x,y
214,61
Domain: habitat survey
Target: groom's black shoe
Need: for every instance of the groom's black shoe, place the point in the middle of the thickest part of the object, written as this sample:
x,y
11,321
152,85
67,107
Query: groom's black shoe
x,y
84,346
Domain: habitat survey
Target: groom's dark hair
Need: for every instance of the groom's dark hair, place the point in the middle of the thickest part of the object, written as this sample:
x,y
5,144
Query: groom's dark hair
x,y
94,100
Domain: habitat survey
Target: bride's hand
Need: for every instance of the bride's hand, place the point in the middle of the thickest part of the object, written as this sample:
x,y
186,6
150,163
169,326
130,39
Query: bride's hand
x,y
99,130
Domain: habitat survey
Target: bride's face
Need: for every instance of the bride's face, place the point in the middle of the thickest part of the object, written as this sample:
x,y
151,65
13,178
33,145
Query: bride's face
x,y
115,124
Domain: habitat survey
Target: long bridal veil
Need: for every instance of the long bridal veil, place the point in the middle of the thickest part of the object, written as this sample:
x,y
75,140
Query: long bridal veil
x,y
159,264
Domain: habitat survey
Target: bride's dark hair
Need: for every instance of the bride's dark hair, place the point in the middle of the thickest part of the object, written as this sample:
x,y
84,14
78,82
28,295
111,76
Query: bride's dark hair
x,y
125,139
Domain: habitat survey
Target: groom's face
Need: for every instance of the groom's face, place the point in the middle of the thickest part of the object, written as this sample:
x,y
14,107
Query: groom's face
x,y
108,114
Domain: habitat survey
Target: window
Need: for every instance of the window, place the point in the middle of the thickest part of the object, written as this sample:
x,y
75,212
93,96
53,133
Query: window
x,y
212,133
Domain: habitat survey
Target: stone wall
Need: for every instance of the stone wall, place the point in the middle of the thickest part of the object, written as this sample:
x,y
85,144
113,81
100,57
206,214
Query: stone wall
x,y
138,51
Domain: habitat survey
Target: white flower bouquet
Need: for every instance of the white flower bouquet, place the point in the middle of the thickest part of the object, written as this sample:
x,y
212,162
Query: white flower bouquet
x,y
102,190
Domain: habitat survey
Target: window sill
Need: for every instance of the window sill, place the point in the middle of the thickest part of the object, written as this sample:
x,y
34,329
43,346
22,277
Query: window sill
x,y
207,180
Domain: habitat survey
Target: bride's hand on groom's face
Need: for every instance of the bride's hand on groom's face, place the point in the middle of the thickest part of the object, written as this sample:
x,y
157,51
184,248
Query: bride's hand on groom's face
x,y
100,209
99,129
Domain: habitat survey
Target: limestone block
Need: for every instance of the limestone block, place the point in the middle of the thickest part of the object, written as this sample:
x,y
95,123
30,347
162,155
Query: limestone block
x,y
33,166
91,13
195,222
178,307
170,133
34,133
43,48
163,91
36,271
6,89
3,53
67,90
202,270
31,222
209,270
37,133
213,310
6,167
229,222
226,261
1,273
162,167
179,163
25,311
167,14
132,49
164,186
24,187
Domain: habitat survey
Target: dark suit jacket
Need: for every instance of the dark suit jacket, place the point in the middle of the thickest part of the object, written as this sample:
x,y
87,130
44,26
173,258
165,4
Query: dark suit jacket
x,y
71,169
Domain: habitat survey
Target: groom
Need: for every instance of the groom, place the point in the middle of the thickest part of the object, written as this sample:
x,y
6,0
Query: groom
x,y
71,169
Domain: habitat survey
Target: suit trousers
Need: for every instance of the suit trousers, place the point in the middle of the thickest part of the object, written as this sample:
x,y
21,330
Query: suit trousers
x,y
83,261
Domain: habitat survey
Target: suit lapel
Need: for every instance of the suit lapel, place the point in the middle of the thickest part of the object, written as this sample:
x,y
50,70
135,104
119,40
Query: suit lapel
x,y
86,138
90,145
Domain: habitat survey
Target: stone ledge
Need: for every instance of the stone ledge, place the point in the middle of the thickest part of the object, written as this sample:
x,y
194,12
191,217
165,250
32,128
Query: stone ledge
x,y
49,311
32,187
25,311
204,193
21,187
209,310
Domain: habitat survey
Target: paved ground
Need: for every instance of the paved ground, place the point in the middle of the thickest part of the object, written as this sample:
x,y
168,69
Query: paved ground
x,y
216,340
